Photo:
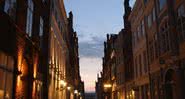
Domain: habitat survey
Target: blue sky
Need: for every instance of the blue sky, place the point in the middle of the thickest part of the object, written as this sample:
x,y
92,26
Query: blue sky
x,y
93,19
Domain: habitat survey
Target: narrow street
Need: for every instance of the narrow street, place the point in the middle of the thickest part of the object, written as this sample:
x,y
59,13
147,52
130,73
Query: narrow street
x,y
92,49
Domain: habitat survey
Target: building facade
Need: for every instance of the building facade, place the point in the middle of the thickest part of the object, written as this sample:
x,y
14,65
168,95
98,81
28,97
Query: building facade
x,y
21,33
120,66
73,71
35,53
57,50
163,40
139,45
153,51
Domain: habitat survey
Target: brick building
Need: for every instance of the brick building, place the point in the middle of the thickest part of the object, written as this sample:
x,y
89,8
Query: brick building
x,y
139,43
120,66
58,50
153,50
21,32
162,23
35,49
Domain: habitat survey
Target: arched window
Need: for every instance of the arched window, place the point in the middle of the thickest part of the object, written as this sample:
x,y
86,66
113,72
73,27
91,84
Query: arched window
x,y
181,22
164,37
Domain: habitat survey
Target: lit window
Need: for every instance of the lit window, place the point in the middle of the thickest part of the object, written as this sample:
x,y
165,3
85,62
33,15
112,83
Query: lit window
x,y
29,17
10,7
161,4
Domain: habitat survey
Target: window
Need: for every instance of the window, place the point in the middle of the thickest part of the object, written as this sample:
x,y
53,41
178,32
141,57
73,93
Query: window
x,y
29,17
136,67
61,29
161,4
145,1
149,18
153,15
41,27
181,22
6,79
139,32
151,51
140,65
164,40
181,11
10,8
143,28
145,61
156,46
52,5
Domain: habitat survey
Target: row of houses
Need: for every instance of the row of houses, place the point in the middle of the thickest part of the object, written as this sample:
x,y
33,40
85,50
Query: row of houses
x,y
146,59
38,51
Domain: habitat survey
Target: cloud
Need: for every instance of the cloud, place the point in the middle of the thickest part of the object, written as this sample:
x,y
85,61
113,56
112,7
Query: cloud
x,y
91,46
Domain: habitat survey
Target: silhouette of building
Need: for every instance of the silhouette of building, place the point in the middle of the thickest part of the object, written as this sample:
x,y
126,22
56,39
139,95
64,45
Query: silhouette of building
x,y
73,71
99,87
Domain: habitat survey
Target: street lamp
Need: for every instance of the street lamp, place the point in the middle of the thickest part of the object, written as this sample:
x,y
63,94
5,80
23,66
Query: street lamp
x,y
107,89
69,88
76,91
63,83
107,85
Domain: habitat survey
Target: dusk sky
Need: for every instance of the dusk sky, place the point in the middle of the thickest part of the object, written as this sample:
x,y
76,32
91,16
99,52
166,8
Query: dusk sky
x,y
93,19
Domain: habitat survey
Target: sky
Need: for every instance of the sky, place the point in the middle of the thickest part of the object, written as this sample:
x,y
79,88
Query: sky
x,y
93,19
